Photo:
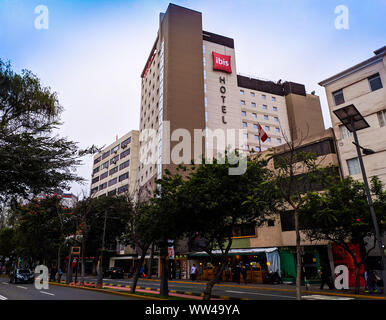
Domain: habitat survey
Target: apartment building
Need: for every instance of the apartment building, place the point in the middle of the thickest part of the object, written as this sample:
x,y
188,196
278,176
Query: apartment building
x,y
190,81
364,86
116,166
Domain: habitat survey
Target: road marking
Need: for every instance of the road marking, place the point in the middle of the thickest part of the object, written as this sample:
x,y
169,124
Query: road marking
x,y
320,297
261,294
5,283
51,294
22,287
3,298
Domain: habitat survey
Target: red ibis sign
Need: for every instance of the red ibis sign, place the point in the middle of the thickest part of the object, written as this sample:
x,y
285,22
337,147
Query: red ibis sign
x,y
221,62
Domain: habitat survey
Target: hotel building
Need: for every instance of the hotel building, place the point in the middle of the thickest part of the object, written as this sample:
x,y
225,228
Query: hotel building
x,y
190,81
115,167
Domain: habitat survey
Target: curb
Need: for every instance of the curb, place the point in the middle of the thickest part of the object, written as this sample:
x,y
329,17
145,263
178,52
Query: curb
x,y
106,291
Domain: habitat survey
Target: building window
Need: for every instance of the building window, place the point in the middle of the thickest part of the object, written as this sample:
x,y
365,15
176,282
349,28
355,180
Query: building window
x,y
97,160
353,166
105,165
375,82
115,149
382,118
244,124
338,97
287,221
203,49
252,94
267,128
268,139
204,61
274,108
123,189
96,170
125,142
104,175
271,223
124,165
95,180
277,130
103,186
125,153
205,87
254,115
112,193
263,96
244,230
266,117
245,135
205,74
264,107
206,116
123,176
254,126
253,105
106,154
243,102
114,160
273,99
243,113
113,170
278,140
345,133
276,119
112,182
242,92
256,138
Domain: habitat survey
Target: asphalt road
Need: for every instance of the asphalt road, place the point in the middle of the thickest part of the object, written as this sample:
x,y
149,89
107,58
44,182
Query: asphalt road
x,y
10,291
235,291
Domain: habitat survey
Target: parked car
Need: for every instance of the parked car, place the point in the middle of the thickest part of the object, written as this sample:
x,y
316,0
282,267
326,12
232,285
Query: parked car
x,y
21,276
114,273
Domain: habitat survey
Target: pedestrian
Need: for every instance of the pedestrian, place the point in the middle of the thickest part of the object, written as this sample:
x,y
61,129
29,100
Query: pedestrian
x,y
325,275
244,272
237,273
228,271
60,273
372,282
141,271
193,272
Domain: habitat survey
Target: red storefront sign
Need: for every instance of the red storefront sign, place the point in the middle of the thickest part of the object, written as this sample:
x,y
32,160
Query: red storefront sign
x,y
341,257
221,62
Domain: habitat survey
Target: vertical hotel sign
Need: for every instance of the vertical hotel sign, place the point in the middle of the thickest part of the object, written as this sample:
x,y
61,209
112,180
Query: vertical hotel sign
x,y
222,63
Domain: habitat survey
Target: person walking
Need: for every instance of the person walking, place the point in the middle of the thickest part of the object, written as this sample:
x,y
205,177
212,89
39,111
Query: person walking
x,y
372,282
193,272
244,272
237,273
325,275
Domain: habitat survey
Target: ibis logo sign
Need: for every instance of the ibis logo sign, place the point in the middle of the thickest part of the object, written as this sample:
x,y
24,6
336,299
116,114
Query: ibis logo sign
x,y
221,62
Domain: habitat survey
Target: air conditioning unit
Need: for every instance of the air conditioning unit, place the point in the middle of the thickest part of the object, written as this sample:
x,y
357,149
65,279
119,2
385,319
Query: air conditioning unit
x,y
114,162
115,151
124,146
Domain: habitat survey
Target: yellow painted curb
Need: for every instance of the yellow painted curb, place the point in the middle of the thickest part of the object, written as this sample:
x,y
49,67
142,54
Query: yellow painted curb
x,y
173,291
108,291
188,292
147,288
224,297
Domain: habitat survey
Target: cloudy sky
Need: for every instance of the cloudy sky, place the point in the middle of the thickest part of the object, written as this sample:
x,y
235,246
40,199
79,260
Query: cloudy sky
x,y
93,51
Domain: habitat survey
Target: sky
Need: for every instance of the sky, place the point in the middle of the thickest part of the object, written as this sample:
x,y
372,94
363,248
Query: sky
x,y
93,51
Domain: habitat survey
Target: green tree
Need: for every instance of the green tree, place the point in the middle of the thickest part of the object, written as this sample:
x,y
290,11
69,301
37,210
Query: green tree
x,y
32,158
341,215
211,202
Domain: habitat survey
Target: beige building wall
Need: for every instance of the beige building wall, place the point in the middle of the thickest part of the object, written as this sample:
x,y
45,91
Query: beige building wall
x,y
356,90
106,170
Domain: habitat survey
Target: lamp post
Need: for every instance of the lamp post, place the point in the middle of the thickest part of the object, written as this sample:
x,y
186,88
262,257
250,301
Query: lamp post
x,y
354,121
100,275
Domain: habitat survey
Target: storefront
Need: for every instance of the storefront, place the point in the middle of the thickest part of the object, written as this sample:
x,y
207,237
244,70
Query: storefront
x,y
259,262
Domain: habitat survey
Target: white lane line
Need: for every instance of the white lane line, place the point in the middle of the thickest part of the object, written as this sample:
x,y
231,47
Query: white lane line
x,y
262,294
51,294
22,287
3,298
5,283
320,297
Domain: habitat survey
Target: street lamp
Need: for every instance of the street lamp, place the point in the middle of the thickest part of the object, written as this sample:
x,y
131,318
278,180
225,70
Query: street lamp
x,y
354,121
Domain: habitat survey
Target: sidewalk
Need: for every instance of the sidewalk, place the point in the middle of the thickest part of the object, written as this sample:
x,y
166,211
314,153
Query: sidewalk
x,y
312,288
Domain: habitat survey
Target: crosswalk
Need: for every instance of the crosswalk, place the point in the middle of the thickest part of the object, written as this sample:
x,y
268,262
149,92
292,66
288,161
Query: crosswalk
x,y
320,297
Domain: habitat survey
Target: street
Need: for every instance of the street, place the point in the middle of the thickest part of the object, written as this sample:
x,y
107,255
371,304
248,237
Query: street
x,y
10,291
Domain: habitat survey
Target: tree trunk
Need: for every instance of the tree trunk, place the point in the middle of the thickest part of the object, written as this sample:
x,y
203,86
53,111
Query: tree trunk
x,y
151,262
357,278
58,264
136,275
298,258
211,283
164,289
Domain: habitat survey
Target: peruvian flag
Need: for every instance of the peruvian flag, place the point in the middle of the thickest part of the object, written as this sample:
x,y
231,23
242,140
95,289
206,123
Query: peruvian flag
x,y
262,134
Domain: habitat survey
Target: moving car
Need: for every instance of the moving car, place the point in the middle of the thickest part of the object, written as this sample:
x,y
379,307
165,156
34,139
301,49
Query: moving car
x,y
114,273
21,276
